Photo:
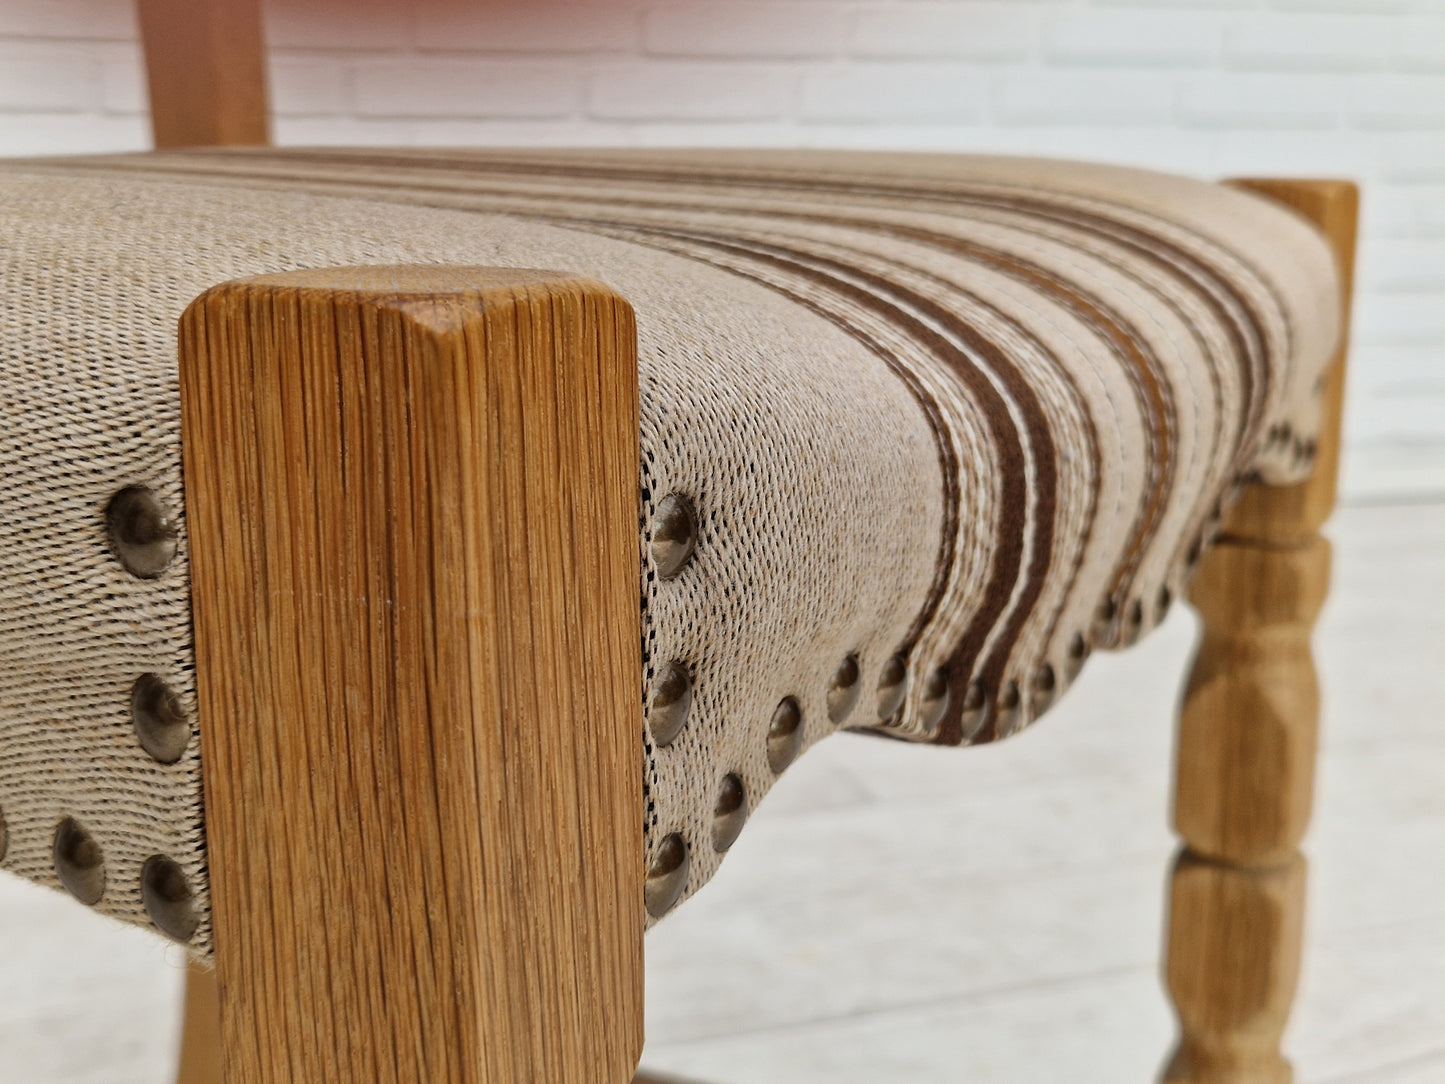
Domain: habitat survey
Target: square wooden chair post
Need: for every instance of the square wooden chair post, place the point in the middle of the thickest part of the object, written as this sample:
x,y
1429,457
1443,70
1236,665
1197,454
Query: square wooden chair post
x,y
412,498
205,66
1247,742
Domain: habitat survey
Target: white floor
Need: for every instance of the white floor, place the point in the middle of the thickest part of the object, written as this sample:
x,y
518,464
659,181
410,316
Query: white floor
x,y
909,915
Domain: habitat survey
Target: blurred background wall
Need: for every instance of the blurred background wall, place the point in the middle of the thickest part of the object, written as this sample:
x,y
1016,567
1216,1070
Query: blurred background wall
x,y
1345,87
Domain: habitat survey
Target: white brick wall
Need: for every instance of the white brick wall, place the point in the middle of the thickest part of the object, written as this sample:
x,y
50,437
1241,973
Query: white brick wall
x,y
1349,87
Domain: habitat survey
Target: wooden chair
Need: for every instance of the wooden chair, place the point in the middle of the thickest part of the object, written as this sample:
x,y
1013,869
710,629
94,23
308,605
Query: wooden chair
x,y
375,917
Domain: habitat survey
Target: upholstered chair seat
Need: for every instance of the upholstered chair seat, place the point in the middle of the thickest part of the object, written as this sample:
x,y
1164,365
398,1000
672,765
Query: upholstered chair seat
x,y
419,565
918,434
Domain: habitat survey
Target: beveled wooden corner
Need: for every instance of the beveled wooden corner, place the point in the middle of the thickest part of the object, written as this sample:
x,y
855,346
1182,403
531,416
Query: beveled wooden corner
x,y
411,496
206,72
1247,741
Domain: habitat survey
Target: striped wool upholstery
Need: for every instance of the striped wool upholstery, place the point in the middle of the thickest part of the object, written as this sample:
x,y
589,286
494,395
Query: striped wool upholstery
x,y
944,424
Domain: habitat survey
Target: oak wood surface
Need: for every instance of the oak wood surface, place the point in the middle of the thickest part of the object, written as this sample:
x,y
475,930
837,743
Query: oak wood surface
x,y
201,1029
206,71
412,507
201,1038
1247,745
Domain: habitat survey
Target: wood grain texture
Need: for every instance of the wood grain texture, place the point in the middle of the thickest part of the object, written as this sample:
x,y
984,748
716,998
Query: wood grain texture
x,y
201,1035
1247,746
412,505
206,70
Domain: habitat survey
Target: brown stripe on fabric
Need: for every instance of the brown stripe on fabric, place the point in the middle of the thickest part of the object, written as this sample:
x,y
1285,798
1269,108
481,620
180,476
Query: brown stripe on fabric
x,y
1154,394
1194,288
1146,375
1018,270
1011,480
1130,349
948,458
1091,452
965,664
1248,340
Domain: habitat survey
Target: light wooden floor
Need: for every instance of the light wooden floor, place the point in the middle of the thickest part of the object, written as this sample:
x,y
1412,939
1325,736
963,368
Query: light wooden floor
x,y
916,916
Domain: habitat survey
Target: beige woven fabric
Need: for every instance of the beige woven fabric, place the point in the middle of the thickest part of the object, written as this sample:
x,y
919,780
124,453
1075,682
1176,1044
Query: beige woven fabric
x,y
974,414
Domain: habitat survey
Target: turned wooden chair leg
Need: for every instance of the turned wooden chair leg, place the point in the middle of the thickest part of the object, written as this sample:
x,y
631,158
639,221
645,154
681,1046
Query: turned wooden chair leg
x,y
1246,747
412,507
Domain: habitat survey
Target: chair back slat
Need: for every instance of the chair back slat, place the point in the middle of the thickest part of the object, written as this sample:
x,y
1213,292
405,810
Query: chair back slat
x,y
206,68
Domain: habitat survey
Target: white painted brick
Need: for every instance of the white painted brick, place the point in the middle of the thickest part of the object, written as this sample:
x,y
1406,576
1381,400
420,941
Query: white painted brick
x,y
1400,370
73,133
1359,7
903,136
43,79
1162,147
1404,265
1251,100
893,93
340,132
566,132
122,85
338,24
1419,45
543,26
805,29
699,90
1431,213
1403,319
1394,210
1138,38
1085,97
1323,43
1411,157
969,31
308,86
72,20
717,134
1196,5
1409,419
1318,152
1402,102
465,88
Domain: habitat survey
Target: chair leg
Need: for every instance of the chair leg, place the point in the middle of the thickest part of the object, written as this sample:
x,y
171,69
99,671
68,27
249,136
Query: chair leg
x,y
412,506
201,1034
1245,777
201,1029
1246,748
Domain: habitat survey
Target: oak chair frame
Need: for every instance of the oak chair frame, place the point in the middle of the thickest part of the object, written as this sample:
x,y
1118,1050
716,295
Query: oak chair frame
x,y
486,926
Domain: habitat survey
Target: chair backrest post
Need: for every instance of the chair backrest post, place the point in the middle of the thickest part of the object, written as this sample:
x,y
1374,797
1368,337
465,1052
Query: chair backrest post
x,y
206,68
